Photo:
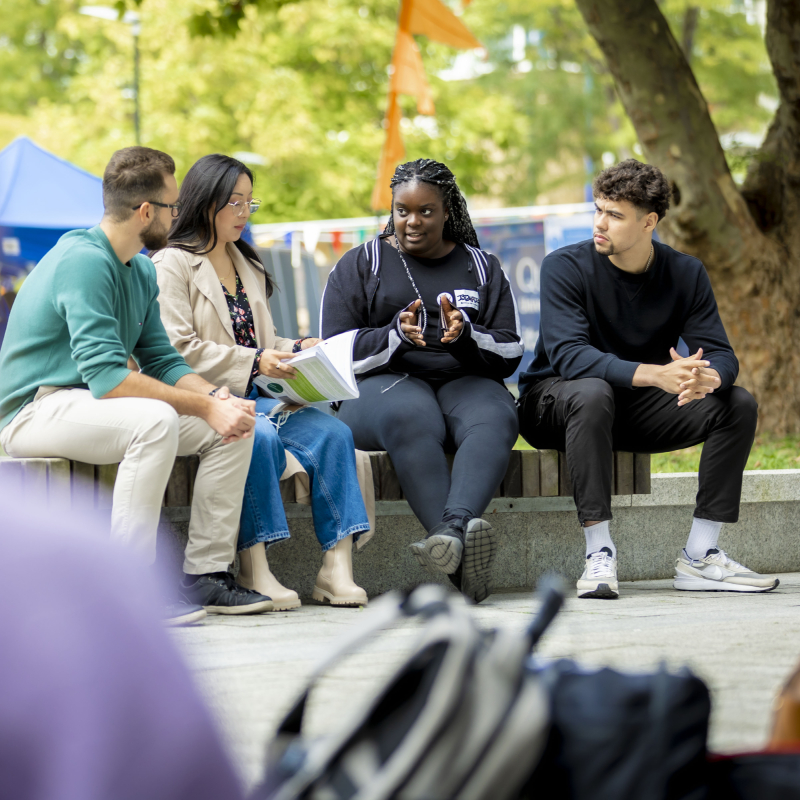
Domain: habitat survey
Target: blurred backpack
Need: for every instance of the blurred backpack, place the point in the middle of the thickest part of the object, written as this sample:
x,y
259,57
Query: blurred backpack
x,y
468,717
462,718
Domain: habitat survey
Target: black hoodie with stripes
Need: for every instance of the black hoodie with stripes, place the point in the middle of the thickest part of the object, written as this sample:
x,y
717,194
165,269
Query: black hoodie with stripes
x,y
490,345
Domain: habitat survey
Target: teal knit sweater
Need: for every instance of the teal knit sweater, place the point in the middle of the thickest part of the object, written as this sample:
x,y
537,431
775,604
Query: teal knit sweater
x,y
78,317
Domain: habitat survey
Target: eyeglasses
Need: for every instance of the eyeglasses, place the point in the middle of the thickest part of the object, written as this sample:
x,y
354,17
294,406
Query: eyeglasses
x,y
239,207
176,207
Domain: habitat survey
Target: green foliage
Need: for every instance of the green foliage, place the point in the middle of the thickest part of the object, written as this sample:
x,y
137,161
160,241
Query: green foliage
x,y
769,452
302,83
36,58
226,18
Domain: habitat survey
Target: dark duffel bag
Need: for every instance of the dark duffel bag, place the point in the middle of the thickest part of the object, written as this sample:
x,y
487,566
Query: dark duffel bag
x,y
617,736
755,776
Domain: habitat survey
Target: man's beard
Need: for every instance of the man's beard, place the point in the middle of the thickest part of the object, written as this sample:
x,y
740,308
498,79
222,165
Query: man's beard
x,y
607,249
154,236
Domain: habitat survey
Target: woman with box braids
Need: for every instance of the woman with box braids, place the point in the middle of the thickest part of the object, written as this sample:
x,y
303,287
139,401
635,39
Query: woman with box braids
x,y
437,334
458,227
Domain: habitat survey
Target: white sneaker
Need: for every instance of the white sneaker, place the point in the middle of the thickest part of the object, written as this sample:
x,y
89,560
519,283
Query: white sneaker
x,y
718,572
599,579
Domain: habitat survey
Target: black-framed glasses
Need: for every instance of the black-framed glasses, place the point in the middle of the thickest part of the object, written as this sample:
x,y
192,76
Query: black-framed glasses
x,y
239,206
176,207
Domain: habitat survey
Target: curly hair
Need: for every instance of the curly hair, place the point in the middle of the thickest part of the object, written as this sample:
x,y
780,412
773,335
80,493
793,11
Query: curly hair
x,y
458,227
643,185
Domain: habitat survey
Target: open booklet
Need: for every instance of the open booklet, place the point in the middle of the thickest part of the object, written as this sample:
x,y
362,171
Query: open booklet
x,y
324,373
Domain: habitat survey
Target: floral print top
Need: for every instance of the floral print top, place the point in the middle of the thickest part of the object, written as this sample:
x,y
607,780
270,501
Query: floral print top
x,y
243,329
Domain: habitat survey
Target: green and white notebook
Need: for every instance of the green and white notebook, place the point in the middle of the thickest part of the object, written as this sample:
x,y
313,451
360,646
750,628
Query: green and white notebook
x,y
324,374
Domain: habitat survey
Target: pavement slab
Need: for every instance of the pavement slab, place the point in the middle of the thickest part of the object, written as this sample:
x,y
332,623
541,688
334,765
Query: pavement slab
x,y
251,669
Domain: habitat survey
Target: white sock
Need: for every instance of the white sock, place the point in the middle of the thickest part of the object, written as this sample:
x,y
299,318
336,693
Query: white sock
x,y
703,537
598,537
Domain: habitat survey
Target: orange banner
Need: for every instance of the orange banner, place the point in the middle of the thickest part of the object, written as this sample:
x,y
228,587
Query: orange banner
x,y
408,76
436,21
392,154
433,19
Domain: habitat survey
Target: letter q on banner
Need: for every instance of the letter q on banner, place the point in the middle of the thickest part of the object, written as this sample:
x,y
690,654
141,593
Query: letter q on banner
x,y
527,275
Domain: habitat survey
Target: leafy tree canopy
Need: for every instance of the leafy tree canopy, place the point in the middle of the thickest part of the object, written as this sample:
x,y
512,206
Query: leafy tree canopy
x,y
302,84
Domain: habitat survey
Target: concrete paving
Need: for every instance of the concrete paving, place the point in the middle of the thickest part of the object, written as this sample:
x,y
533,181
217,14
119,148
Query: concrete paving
x,y
250,669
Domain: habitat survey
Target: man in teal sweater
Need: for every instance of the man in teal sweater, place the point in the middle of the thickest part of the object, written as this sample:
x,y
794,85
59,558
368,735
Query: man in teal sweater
x,y
66,389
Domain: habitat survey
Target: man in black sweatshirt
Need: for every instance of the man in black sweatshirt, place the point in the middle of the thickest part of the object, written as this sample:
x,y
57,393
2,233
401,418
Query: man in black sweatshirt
x,y
606,375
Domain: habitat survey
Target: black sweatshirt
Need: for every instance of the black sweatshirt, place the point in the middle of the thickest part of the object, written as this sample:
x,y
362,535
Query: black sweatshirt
x,y
452,275
490,344
597,321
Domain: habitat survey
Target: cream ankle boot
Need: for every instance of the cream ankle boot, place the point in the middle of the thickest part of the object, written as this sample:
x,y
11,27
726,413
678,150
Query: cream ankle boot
x,y
254,573
334,582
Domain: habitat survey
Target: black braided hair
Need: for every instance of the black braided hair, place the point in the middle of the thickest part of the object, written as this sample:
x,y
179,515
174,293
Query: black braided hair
x,y
458,227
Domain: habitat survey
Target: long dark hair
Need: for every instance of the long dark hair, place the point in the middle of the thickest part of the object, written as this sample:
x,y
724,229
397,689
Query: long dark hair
x,y
458,228
208,185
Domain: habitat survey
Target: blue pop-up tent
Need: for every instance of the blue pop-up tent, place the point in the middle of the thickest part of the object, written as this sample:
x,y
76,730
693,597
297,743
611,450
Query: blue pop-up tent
x,y
41,198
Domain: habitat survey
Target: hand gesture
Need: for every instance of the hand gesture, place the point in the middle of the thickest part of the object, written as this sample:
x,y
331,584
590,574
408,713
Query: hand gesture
x,y
455,322
703,380
231,417
272,365
409,324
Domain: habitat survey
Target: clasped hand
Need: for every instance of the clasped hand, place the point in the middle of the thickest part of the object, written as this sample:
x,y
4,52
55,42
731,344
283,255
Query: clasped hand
x,y
690,378
409,323
232,417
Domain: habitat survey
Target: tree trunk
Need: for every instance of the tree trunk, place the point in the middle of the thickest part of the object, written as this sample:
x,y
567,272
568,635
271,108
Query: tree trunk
x,y
748,240
690,18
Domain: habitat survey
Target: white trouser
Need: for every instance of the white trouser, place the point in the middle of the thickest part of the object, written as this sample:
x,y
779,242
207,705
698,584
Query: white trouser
x,y
144,436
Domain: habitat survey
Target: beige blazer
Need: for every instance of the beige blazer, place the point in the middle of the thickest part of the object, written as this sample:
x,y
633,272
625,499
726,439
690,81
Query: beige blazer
x,y
195,314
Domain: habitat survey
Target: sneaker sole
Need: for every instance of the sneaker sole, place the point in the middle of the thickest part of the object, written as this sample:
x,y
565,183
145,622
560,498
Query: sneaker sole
x,y
186,619
704,585
479,552
601,592
327,599
253,608
438,554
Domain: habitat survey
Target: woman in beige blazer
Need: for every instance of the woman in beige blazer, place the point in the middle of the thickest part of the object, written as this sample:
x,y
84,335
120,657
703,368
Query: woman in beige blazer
x,y
214,305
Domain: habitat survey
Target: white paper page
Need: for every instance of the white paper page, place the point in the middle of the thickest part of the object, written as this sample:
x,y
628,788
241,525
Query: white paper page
x,y
339,350
324,373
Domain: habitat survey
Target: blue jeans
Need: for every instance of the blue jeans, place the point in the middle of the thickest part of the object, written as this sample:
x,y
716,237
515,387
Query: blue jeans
x,y
324,446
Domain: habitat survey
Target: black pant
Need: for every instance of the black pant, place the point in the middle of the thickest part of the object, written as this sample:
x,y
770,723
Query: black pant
x,y
588,419
417,422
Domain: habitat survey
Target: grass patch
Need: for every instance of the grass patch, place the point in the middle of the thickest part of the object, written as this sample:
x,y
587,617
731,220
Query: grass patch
x,y
769,452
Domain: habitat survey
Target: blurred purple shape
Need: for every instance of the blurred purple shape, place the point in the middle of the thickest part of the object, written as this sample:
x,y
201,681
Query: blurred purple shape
x,y
95,702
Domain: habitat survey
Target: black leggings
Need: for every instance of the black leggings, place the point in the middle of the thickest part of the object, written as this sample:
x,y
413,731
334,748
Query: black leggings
x,y
417,422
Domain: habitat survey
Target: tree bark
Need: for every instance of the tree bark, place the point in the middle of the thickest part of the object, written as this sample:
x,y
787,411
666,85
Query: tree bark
x,y
747,239
690,17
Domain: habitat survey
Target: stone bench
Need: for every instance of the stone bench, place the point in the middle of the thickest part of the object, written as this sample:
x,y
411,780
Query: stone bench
x,y
532,512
